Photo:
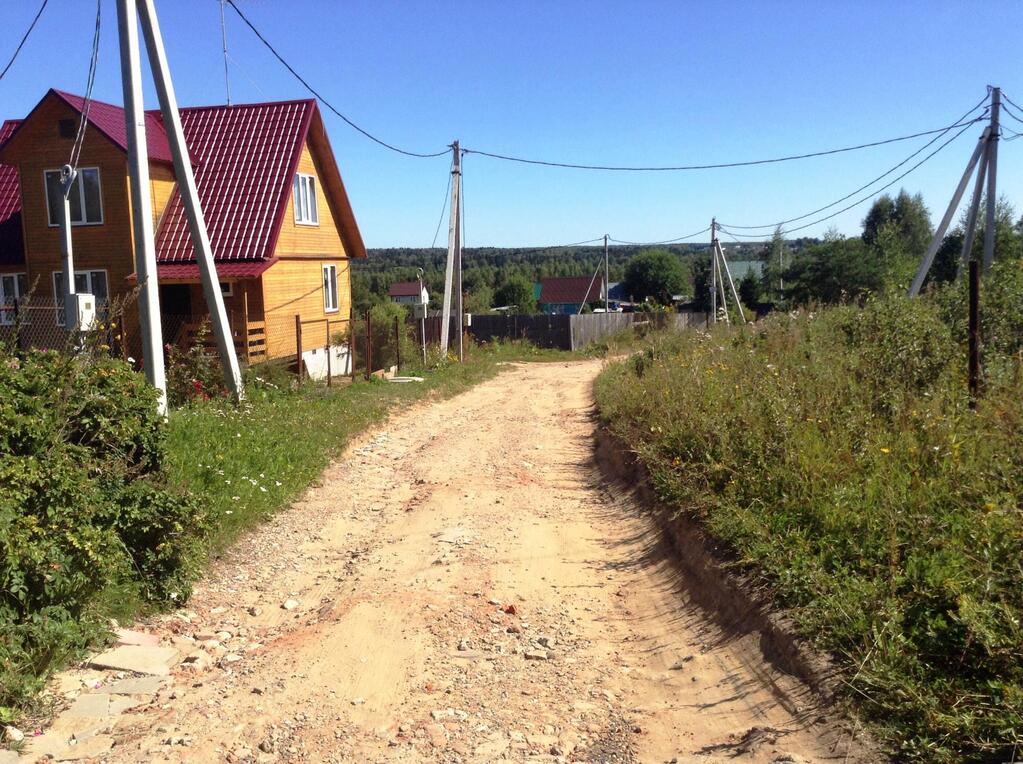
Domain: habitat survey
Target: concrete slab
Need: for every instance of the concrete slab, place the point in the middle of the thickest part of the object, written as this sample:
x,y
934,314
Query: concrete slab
x,y
156,661
139,638
143,685
87,749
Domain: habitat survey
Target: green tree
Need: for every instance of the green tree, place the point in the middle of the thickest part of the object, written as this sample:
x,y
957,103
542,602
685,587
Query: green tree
x,y
836,270
516,291
655,274
1008,242
480,300
749,290
701,283
910,217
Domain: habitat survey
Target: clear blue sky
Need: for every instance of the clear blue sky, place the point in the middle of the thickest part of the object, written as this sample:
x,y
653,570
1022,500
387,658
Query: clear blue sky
x,y
624,83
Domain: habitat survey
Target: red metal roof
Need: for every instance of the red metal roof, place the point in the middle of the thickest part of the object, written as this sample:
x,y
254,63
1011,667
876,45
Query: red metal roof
x,y
245,158
12,251
405,289
109,120
190,271
571,290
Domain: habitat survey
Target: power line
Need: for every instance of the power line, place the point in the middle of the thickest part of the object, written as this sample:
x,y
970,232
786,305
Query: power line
x,y
657,243
1011,113
443,209
864,199
76,146
1006,98
316,93
620,168
865,186
24,38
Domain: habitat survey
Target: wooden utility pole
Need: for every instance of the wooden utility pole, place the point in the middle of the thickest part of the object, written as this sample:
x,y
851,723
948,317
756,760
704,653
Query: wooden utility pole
x,y
992,179
369,344
607,280
298,346
351,340
453,283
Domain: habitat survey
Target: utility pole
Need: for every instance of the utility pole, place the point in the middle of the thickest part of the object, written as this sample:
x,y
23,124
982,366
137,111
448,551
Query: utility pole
x,y
223,37
141,202
190,199
67,289
731,284
607,280
459,295
713,271
992,179
454,244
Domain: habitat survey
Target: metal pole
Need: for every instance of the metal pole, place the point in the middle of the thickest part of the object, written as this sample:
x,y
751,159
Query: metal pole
x,y
67,288
992,179
330,375
713,271
974,336
298,345
369,344
607,280
397,345
245,322
190,198
141,202
971,221
445,327
351,340
223,36
939,232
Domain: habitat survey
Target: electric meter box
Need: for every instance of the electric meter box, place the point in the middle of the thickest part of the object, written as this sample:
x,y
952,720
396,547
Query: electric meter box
x,y
81,312
418,311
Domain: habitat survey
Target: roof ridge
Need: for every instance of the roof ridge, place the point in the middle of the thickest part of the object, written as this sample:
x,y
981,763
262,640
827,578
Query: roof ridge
x,y
253,105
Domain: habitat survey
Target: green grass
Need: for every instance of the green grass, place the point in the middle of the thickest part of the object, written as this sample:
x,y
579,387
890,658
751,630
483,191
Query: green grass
x,y
837,457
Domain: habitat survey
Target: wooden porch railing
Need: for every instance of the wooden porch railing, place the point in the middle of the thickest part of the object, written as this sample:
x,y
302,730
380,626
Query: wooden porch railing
x,y
251,347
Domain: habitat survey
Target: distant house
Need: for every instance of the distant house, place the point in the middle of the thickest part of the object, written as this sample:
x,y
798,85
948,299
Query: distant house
x,y
281,227
409,293
569,294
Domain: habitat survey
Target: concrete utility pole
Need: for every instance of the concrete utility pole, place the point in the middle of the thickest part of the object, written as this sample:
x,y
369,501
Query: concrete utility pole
x,y
454,244
607,280
992,179
141,202
731,284
713,271
190,199
67,288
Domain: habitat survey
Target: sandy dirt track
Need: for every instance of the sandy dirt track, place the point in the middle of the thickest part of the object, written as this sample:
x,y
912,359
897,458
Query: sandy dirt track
x,y
464,587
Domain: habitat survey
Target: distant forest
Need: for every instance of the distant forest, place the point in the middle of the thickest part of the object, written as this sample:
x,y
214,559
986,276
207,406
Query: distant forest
x,y
486,269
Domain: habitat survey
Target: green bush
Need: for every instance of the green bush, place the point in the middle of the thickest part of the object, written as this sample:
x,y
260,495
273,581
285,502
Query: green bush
x,y
836,455
83,507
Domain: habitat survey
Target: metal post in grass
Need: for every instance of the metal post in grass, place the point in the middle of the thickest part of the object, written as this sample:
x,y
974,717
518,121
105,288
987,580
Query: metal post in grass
x,y
397,345
351,341
330,375
974,334
369,344
298,345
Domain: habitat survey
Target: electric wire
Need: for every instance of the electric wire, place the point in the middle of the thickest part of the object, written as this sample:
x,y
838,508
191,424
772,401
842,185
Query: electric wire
x,y
1011,113
721,165
866,198
24,39
1006,98
865,186
657,243
325,102
443,209
83,121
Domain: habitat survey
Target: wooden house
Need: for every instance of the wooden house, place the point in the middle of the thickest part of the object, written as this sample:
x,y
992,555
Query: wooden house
x,y
409,293
281,227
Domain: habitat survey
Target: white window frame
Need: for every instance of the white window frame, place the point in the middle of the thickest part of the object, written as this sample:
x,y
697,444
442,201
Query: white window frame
x,y
304,190
7,316
87,272
81,197
227,288
327,307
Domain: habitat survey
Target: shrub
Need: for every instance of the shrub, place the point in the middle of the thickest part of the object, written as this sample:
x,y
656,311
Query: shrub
x,y
836,456
83,507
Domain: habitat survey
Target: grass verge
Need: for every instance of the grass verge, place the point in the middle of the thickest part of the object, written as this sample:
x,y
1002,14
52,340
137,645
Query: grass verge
x,y
836,455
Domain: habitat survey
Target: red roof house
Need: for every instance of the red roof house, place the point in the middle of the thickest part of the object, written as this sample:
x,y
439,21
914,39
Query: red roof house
x,y
568,294
281,226
408,293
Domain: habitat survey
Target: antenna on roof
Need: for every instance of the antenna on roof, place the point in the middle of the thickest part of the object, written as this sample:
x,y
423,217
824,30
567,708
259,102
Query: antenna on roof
x,y
223,37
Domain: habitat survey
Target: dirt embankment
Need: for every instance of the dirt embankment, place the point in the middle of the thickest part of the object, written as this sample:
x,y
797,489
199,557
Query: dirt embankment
x,y
464,586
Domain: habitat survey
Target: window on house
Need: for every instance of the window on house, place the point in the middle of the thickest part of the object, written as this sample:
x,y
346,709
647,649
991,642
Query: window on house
x,y
227,288
330,288
13,286
85,199
90,282
305,200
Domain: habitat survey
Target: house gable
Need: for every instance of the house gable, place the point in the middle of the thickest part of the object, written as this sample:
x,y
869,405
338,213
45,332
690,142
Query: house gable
x,y
12,245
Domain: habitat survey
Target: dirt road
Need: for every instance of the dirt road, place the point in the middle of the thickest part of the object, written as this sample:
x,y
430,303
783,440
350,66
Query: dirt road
x,y
463,587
